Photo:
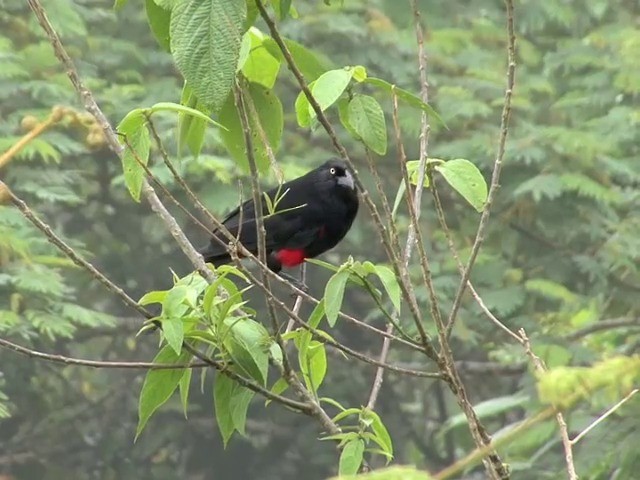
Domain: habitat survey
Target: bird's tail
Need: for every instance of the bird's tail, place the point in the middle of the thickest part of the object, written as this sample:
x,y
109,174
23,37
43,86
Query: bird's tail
x,y
215,254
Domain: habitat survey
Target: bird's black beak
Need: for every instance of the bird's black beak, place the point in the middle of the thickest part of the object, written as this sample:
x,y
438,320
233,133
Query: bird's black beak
x,y
346,180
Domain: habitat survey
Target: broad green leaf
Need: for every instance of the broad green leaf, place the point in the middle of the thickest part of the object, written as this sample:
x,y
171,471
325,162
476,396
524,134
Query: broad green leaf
x,y
159,384
159,20
260,66
281,8
157,296
205,43
223,389
333,295
314,365
302,109
231,402
311,64
173,304
367,118
405,96
346,413
136,151
183,109
279,387
316,314
413,171
351,457
241,399
381,433
465,178
329,87
343,115
245,50
252,14
269,110
390,282
185,383
191,129
248,344
173,331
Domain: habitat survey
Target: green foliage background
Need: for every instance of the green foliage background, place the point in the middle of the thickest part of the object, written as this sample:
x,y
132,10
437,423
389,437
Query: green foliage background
x,y
562,253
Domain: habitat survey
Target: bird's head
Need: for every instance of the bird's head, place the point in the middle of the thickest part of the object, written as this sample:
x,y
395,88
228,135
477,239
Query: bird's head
x,y
337,171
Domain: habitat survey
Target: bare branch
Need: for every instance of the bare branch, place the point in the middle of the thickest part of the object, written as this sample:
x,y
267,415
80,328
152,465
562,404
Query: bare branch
x,y
497,166
564,433
71,253
602,417
96,363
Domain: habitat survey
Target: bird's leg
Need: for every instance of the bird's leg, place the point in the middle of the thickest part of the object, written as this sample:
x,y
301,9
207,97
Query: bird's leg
x,y
295,282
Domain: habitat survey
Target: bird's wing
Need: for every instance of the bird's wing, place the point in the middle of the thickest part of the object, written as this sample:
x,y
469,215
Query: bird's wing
x,y
283,220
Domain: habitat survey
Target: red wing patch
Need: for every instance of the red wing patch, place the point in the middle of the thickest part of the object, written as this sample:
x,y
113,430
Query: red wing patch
x,y
290,258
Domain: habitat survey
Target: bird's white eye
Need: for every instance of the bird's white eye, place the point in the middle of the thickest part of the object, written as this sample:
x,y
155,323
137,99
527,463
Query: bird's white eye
x,y
332,171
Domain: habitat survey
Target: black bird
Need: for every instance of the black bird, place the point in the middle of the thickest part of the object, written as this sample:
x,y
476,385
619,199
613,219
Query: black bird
x,y
307,217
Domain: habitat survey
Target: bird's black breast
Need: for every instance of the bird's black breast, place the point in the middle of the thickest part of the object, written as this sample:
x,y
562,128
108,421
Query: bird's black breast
x,y
333,211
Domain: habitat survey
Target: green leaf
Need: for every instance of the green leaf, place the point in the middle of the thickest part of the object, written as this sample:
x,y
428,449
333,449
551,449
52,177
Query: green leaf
x,y
185,383
248,344
381,433
231,402
311,65
390,282
205,43
269,110
260,66
351,457
367,118
185,110
302,109
329,87
191,129
465,178
405,96
173,304
316,314
159,384
159,20
333,295
313,365
223,389
279,387
173,330
399,196
413,171
137,146
157,296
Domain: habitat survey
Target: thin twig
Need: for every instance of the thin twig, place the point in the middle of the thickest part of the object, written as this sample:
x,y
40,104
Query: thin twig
x,y
454,252
250,384
96,363
414,206
562,425
497,166
71,253
602,417
333,343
